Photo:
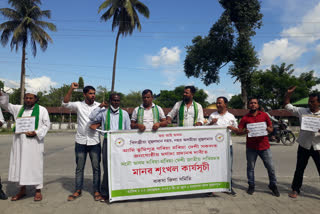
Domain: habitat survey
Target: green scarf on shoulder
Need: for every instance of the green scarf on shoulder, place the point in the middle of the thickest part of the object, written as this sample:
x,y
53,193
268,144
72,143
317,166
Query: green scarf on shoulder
x,y
35,113
107,122
155,113
181,113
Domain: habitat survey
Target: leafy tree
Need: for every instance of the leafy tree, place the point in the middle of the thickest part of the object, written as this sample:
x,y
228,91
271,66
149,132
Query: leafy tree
x,y
271,85
125,17
25,25
235,102
228,41
167,99
131,100
1,85
81,82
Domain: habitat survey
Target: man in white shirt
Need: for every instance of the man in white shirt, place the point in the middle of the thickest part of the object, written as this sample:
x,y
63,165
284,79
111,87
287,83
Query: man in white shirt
x,y
223,118
3,196
110,118
26,157
87,140
148,115
309,142
188,112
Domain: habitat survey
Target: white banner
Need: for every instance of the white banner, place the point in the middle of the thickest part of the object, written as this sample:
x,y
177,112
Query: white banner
x,y
171,161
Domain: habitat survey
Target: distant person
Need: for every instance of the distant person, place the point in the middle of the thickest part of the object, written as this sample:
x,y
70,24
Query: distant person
x,y
26,157
87,140
258,146
224,118
3,195
148,115
309,142
110,118
188,112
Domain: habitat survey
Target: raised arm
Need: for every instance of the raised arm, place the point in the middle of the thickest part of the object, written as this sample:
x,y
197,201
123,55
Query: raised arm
x,y
287,96
73,86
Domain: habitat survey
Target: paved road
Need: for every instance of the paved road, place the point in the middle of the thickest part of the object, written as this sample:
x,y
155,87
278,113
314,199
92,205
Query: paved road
x,y
59,183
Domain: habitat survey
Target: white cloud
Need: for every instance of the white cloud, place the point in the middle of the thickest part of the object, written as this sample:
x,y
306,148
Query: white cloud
x,y
171,77
166,56
38,84
213,94
280,49
295,40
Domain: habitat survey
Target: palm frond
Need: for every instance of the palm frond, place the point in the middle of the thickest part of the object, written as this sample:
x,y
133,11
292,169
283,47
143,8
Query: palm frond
x,y
10,13
142,9
48,25
105,4
128,8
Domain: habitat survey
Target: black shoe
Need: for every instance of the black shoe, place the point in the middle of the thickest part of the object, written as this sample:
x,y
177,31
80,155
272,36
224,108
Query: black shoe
x,y
3,196
233,192
250,190
274,190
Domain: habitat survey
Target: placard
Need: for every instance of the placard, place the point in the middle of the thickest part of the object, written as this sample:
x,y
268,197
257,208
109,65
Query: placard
x,y
310,123
257,129
25,124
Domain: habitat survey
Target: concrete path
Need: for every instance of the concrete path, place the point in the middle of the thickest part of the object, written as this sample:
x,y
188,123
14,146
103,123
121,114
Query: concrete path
x,y
59,183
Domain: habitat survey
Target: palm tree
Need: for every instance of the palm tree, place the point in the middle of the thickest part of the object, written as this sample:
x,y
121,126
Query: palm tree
x,y
25,25
125,18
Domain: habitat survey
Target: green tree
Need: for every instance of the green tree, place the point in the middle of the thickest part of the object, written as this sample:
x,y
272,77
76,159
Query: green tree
x,y
81,82
131,100
229,40
271,85
125,17
1,85
25,25
235,102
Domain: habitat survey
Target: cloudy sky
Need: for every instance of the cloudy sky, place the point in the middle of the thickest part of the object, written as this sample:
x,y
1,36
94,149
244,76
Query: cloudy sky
x,y
153,58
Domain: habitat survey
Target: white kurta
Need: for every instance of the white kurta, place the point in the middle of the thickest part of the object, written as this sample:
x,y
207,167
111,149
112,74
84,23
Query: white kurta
x,y
26,157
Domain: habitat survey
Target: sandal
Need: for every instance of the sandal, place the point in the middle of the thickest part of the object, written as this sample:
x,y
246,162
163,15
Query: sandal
x,y
293,194
38,196
18,196
74,196
97,196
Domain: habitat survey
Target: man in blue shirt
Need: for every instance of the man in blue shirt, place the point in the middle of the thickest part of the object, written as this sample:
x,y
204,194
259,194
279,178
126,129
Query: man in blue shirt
x,y
110,118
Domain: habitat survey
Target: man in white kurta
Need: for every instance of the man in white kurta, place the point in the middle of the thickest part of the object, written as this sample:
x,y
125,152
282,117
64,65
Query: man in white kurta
x,y
26,157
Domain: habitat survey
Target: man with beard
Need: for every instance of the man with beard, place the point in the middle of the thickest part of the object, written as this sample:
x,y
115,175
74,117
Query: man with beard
x,y
188,112
309,142
26,157
257,146
223,118
148,115
112,118
3,196
87,140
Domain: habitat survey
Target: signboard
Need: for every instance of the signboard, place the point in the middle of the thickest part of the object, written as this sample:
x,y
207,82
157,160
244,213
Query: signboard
x,y
170,161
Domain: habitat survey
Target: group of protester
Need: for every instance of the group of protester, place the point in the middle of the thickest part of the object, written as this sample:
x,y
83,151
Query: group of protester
x,y
26,158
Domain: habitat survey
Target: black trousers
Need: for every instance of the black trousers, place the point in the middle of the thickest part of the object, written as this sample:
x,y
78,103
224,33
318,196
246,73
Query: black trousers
x,y
302,162
105,183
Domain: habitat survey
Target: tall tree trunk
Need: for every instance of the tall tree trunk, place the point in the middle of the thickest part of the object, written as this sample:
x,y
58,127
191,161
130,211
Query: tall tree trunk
x,y
244,95
114,63
23,74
